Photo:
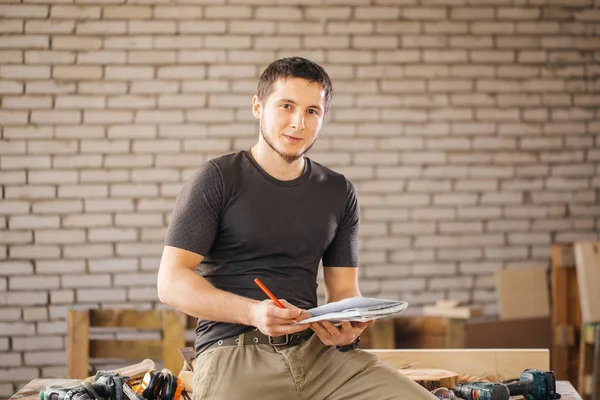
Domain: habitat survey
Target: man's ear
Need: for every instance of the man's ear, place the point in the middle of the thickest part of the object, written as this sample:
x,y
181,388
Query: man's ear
x,y
256,107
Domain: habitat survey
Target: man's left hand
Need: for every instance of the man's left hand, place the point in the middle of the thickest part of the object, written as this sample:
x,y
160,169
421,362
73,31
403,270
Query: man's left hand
x,y
332,335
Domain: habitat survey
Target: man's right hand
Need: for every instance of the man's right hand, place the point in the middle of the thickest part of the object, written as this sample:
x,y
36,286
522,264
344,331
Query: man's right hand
x,y
274,321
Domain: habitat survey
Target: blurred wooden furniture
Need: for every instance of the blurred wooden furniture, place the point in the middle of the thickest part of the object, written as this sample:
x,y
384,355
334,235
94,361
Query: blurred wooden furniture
x,y
80,348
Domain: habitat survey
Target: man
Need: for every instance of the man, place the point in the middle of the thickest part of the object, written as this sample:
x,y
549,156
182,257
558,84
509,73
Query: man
x,y
273,214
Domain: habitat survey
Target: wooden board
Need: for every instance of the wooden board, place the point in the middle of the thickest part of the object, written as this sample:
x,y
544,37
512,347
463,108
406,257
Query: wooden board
x,y
149,319
503,364
78,346
134,350
566,313
587,257
173,330
523,293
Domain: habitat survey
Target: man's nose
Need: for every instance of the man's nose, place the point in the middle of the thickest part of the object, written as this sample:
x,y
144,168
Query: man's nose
x,y
298,121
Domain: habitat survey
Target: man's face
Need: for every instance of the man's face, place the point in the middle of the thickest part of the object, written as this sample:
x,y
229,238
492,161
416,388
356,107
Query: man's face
x,y
291,116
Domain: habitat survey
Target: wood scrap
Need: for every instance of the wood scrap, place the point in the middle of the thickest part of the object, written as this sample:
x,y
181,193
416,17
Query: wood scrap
x,y
431,378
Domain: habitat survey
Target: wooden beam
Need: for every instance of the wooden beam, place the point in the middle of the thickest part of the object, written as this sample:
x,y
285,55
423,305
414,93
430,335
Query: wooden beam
x,y
173,331
135,350
502,364
587,256
78,332
149,319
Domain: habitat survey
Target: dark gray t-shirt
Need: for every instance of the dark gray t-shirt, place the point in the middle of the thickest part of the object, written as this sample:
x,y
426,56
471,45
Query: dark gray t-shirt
x,y
248,224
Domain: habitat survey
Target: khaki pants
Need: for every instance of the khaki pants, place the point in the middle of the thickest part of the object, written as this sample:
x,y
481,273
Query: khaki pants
x,y
309,371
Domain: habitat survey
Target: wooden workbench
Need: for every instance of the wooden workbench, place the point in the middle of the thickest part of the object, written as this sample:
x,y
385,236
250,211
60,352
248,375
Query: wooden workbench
x,y
32,389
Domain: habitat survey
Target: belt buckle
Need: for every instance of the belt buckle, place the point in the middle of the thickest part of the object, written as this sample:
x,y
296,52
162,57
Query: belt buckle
x,y
287,340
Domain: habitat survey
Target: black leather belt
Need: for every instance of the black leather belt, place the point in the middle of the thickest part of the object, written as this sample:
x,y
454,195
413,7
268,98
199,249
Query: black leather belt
x,y
256,337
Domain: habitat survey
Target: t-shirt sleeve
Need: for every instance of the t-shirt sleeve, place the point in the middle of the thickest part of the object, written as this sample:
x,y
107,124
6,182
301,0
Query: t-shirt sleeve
x,y
195,218
343,250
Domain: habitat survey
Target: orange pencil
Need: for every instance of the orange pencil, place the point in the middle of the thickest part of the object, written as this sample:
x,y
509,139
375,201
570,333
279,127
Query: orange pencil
x,y
271,295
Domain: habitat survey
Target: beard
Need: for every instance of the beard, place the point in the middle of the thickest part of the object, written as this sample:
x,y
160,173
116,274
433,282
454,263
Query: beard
x,y
289,158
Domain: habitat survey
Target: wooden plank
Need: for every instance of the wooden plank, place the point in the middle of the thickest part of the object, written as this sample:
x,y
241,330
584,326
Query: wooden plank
x,y
127,349
566,314
78,332
587,257
173,331
522,293
383,334
455,334
149,319
502,364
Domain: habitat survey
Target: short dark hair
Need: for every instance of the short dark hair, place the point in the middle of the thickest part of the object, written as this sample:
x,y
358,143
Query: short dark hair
x,y
294,67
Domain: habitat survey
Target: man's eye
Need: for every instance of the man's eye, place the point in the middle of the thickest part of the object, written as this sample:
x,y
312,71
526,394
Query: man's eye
x,y
312,112
285,105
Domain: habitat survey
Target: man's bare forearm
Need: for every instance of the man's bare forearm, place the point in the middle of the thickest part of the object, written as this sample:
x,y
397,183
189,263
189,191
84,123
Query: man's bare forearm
x,y
187,291
332,297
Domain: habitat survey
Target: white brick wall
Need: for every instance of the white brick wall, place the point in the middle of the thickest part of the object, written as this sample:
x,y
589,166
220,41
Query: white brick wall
x,y
470,129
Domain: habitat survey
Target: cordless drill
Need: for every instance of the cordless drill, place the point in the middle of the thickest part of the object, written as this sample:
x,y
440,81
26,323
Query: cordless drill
x,y
482,391
533,385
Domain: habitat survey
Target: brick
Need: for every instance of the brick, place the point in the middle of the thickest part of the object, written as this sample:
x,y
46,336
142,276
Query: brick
x,y
149,294
104,175
241,42
83,281
43,357
26,102
113,265
132,102
112,161
59,267
150,27
11,87
16,237
75,12
278,13
33,282
102,27
129,72
412,284
374,42
454,85
49,57
30,192
350,27
87,251
55,117
10,314
19,177
51,147
82,191
54,176
76,43
34,251
33,222
38,343
127,12
52,26
86,220
177,12
24,42
36,314
12,26
10,359
49,87
101,295
25,72
368,13
60,236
